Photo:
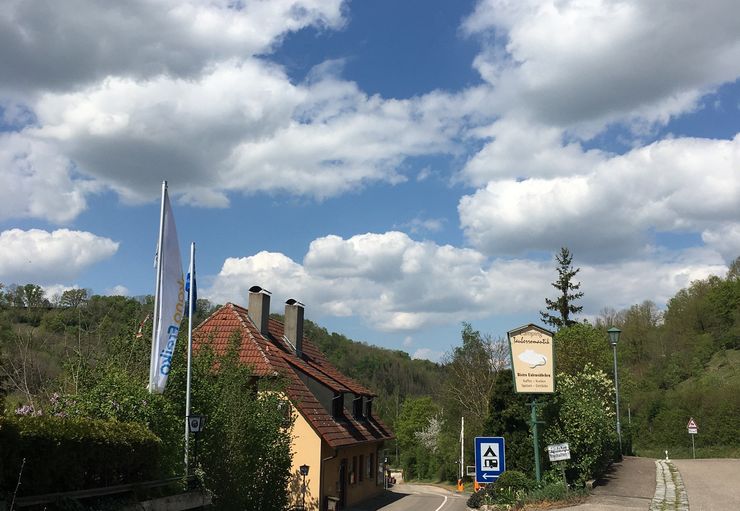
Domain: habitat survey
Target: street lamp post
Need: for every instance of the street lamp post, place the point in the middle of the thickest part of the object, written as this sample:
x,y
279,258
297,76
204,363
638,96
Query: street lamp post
x,y
304,473
613,340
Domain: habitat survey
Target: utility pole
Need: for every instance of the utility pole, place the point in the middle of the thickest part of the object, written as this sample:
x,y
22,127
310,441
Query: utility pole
x,y
462,447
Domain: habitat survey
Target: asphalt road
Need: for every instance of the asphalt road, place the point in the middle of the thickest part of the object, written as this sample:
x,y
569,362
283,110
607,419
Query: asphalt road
x,y
407,497
711,484
628,485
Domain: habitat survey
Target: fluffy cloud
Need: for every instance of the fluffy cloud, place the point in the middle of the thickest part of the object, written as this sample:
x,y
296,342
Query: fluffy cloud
x,y
56,46
394,283
520,149
571,62
118,290
50,257
679,185
37,181
237,128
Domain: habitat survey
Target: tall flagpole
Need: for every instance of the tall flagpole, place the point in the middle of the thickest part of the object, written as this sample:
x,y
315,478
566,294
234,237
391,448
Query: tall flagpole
x,y
191,308
157,289
462,448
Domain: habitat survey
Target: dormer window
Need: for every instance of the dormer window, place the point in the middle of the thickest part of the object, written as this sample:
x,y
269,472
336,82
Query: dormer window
x,y
336,406
357,407
368,408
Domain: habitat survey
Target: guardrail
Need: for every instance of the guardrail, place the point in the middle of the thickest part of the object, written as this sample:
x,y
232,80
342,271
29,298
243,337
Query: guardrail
x,y
33,500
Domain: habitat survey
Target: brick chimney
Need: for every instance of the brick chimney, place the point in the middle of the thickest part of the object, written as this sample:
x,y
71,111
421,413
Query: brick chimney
x,y
294,324
259,307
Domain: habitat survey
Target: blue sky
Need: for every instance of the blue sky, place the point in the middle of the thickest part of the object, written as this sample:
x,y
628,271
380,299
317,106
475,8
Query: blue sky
x,y
399,167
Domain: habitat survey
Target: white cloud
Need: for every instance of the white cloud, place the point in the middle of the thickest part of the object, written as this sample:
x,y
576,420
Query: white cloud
x,y
118,290
569,62
678,185
45,258
53,292
520,149
239,127
428,354
725,239
394,283
141,39
37,181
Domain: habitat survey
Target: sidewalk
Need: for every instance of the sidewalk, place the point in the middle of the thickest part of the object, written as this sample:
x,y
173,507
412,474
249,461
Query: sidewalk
x,y
629,485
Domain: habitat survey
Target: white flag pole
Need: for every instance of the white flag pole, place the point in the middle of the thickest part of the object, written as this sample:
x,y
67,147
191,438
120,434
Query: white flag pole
x,y
191,309
157,289
462,447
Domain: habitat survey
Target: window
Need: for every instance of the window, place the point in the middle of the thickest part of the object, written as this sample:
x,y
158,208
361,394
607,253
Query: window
x,y
368,408
357,407
353,474
362,467
336,406
370,465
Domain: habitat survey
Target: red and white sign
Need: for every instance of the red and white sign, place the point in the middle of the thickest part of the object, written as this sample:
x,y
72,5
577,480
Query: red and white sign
x,y
692,427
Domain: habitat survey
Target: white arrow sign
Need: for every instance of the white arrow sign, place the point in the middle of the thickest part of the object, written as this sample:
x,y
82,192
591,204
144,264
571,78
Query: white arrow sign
x,y
489,476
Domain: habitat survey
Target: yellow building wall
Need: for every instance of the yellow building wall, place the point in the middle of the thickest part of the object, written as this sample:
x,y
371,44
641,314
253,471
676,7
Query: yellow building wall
x,y
306,447
356,490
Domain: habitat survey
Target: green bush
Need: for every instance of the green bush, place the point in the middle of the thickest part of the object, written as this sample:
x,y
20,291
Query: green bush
x,y
551,492
485,495
64,454
513,480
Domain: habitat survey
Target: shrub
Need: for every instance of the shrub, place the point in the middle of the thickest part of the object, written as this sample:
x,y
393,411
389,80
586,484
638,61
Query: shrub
x,y
513,480
485,495
64,454
551,492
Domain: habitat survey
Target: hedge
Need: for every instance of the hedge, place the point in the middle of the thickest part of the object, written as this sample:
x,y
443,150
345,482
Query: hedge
x,y
65,454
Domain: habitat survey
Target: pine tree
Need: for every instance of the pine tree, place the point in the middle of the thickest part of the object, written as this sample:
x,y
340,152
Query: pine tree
x,y
563,306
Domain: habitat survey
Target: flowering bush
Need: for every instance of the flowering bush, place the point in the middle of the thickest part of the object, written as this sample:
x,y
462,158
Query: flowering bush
x,y
586,420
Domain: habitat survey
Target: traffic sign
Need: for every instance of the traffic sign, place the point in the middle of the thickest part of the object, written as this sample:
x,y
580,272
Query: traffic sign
x,y
692,427
490,460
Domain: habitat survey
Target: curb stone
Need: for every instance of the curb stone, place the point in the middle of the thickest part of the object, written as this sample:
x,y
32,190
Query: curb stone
x,y
670,493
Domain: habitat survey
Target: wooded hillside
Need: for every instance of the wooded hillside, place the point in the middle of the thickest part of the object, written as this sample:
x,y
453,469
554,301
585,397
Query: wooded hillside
x,y
676,361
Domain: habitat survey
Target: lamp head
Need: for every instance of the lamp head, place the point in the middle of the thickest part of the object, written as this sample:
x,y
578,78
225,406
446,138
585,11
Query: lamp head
x,y
614,335
304,470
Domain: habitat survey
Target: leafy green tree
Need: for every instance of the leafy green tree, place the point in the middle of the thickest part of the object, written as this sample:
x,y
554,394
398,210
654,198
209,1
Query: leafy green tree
x,y
585,418
471,370
509,416
581,344
246,456
412,430
563,306
73,298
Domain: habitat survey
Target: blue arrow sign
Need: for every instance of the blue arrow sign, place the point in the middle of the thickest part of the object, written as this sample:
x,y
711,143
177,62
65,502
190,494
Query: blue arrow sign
x,y
490,459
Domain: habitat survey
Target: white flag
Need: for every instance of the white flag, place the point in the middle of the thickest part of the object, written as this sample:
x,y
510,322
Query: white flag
x,y
170,306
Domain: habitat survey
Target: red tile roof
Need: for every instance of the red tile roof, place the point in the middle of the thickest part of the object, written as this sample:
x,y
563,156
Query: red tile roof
x,y
271,355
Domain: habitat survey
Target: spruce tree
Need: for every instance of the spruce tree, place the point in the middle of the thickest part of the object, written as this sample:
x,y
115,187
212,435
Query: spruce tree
x,y
563,306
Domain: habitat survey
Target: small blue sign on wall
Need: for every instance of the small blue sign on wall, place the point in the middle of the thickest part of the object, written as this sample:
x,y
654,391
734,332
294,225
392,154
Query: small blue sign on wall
x,y
490,459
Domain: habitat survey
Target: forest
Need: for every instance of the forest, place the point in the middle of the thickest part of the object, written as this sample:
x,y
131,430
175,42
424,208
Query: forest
x,y
676,360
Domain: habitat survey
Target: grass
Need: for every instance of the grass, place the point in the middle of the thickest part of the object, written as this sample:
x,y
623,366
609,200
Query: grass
x,y
680,453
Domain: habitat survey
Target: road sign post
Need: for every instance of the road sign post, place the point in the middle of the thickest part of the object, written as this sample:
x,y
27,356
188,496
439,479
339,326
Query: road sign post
x,y
693,430
560,452
533,368
490,458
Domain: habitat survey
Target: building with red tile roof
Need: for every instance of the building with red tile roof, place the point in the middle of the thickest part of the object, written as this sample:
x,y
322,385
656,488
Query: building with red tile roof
x,y
335,433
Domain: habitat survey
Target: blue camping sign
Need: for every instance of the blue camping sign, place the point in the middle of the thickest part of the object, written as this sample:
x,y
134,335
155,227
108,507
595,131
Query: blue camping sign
x,y
490,459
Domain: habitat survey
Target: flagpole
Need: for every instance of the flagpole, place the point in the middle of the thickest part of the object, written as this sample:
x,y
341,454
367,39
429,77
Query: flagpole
x,y
191,308
157,289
